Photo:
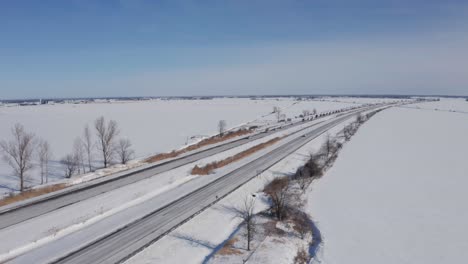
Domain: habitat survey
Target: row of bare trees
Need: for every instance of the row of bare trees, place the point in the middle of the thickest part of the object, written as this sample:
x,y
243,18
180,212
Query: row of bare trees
x,y
284,201
281,195
281,190
22,150
306,112
106,144
350,129
44,152
222,124
278,112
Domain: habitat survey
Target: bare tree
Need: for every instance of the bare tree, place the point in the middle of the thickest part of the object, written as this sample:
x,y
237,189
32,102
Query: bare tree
x,y
79,154
277,112
44,153
301,223
314,112
277,190
18,152
328,146
124,150
70,162
348,132
88,146
359,119
302,257
106,138
313,167
302,179
279,115
247,213
222,127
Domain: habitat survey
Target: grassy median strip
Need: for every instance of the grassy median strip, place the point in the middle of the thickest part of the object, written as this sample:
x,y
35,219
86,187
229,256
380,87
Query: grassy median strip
x,y
210,167
204,142
31,193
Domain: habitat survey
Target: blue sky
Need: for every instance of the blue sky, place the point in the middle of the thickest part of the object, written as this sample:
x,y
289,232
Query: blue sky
x,y
82,48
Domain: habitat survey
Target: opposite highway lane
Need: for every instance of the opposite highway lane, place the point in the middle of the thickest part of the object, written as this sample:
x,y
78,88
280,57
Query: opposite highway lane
x,y
87,190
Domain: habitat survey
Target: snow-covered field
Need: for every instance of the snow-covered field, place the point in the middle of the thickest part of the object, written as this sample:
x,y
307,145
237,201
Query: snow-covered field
x,y
153,126
451,105
397,192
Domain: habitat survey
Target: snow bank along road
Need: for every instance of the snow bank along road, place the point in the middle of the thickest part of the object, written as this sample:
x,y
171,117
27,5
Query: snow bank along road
x,y
22,211
125,241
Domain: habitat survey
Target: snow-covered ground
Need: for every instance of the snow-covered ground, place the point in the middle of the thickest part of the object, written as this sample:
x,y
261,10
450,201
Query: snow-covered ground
x,y
47,227
397,192
115,204
200,238
450,105
153,126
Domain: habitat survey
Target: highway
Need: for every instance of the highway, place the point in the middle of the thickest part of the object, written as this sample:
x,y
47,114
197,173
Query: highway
x,y
122,243
14,214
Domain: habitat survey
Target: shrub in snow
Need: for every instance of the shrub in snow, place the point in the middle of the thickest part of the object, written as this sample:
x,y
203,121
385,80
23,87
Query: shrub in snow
x,y
277,190
302,257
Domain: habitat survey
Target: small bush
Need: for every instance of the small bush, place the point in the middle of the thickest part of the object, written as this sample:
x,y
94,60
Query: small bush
x,y
229,249
302,257
313,168
277,190
301,223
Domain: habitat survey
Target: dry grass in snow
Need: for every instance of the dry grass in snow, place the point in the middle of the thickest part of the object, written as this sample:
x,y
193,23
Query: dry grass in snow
x,y
210,167
31,193
229,248
203,143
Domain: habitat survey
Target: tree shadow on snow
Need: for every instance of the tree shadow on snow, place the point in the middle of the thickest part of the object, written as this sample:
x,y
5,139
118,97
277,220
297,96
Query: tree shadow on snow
x,y
220,246
229,209
10,182
195,241
279,173
317,241
9,188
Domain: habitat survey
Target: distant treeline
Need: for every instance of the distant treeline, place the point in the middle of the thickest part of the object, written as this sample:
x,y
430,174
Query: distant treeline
x,y
254,97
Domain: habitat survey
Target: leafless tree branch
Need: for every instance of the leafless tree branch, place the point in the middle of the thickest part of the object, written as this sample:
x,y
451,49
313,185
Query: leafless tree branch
x,y
18,152
44,153
106,138
124,150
